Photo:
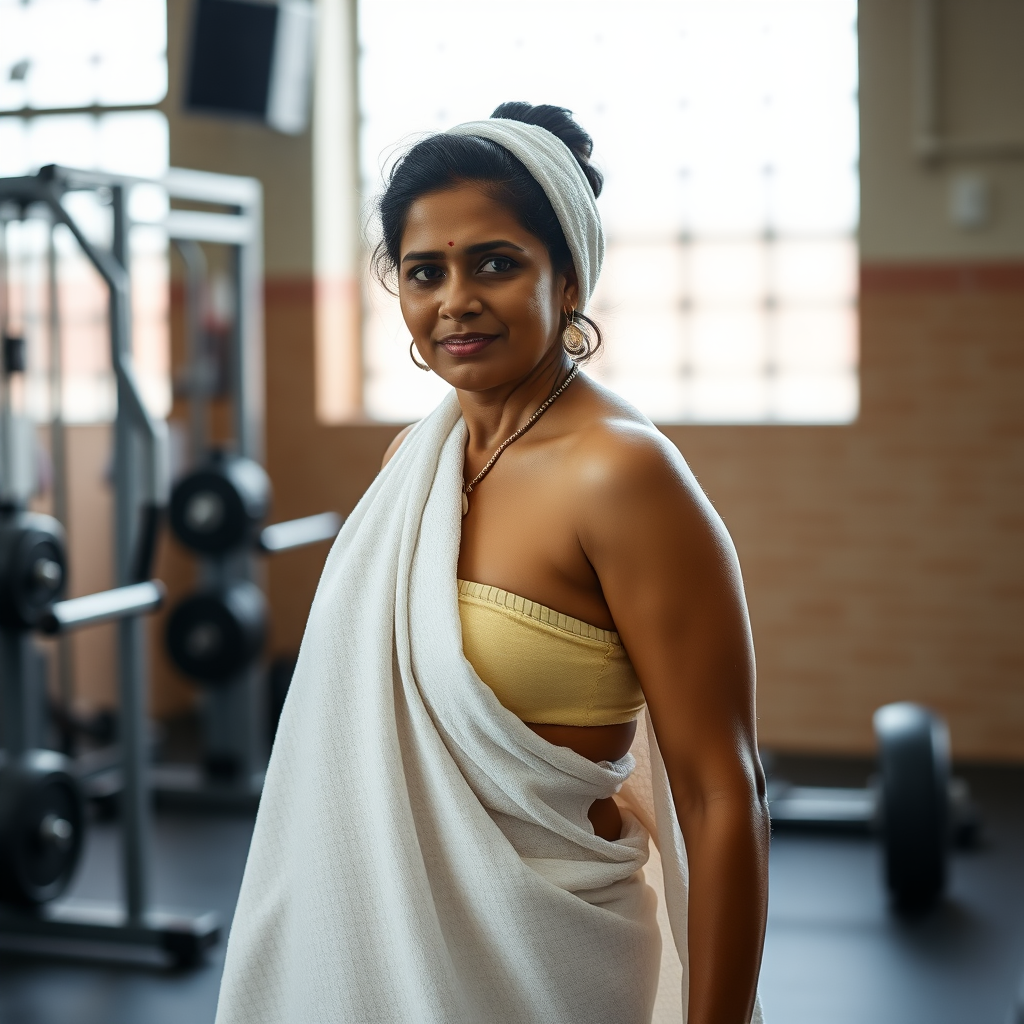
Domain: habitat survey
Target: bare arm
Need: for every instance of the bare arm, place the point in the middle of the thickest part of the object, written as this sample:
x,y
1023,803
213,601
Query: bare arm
x,y
672,582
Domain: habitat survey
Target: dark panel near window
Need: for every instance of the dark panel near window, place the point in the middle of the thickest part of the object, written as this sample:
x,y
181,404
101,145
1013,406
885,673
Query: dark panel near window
x,y
232,54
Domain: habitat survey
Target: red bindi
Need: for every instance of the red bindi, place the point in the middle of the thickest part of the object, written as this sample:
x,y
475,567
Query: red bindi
x,y
451,243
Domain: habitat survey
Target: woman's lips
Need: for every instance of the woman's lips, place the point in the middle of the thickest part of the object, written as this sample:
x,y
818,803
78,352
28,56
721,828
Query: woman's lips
x,y
466,344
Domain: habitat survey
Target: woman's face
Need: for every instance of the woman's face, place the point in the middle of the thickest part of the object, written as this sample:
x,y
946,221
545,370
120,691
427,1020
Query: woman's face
x,y
478,291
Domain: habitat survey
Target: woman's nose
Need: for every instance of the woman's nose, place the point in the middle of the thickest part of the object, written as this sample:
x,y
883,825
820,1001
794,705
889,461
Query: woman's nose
x,y
459,299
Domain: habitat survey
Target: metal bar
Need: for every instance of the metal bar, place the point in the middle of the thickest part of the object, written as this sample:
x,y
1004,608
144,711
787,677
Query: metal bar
x,y
200,226
115,274
824,805
210,187
20,698
297,533
197,357
5,298
73,179
24,188
183,937
247,340
823,809
105,606
134,802
6,412
58,456
91,109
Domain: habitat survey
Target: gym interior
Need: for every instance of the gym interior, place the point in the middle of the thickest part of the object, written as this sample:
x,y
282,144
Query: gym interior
x,y
814,287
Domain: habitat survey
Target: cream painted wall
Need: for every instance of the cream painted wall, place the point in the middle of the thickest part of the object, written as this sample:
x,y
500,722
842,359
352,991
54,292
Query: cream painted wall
x,y
981,70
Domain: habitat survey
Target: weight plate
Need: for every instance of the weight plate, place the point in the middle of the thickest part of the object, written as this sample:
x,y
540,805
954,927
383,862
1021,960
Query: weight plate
x,y
33,567
913,748
220,506
42,817
215,634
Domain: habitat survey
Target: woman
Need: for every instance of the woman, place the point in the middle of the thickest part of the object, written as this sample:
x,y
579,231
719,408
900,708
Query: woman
x,y
452,828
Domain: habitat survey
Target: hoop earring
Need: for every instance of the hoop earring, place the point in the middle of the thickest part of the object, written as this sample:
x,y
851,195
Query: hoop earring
x,y
574,341
416,362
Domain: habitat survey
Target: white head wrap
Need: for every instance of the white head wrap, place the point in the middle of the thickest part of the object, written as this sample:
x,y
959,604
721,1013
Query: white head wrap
x,y
557,171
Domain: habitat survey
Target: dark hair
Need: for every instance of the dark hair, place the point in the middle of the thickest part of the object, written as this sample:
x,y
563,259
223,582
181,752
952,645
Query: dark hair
x,y
440,161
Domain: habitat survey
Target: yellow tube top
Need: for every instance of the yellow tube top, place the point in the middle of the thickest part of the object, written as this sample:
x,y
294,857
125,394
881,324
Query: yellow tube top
x,y
545,667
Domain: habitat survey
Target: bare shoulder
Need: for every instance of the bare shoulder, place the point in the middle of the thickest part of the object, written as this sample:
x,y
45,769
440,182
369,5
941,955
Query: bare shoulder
x,y
617,448
626,471
396,444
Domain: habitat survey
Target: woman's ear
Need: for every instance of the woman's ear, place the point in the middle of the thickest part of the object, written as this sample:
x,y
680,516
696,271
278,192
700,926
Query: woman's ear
x,y
570,289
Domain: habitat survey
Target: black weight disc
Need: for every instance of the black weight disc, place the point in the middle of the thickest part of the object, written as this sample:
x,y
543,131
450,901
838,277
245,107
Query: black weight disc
x,y
32,567
41,823
913,749
215,634
220,506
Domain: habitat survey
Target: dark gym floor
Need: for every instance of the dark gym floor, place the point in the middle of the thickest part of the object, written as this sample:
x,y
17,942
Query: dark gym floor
x,y
834,954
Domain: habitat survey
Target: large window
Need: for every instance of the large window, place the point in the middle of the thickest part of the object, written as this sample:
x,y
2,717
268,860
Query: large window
x,y
76,77
727,132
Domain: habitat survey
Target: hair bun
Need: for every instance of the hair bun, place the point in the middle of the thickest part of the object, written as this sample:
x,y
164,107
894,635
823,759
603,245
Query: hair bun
x,y
559,121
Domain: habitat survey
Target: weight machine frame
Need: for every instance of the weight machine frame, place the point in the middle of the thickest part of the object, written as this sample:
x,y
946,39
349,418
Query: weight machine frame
x,y
235,711
234,715
141,484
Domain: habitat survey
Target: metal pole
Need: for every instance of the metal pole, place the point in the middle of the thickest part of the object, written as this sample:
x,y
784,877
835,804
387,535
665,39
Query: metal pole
x,y
58,455
7,462
248,392
200,370
5,298
132,676
133,428
247,356
20,700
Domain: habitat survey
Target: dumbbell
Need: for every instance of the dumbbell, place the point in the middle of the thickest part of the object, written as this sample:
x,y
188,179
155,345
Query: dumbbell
x,y
41,822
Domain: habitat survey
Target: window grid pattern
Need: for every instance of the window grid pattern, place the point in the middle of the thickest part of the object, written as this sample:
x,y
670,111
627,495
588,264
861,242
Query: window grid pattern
x,y
82,53
66,54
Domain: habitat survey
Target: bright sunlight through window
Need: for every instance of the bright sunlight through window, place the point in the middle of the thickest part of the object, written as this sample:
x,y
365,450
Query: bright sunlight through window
x,y
77,58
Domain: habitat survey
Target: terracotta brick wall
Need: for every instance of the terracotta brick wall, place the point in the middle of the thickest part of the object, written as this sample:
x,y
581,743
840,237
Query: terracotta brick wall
x,y
885,560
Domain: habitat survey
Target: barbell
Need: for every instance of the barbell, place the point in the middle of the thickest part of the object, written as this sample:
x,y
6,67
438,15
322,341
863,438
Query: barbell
x,y
42,807
912,805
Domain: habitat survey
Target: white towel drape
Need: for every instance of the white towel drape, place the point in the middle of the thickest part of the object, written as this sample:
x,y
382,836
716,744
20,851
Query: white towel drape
x,y
420,856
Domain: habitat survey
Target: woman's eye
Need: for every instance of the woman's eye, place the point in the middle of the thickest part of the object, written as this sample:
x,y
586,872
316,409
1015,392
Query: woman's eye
x,y
497,265
427,273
